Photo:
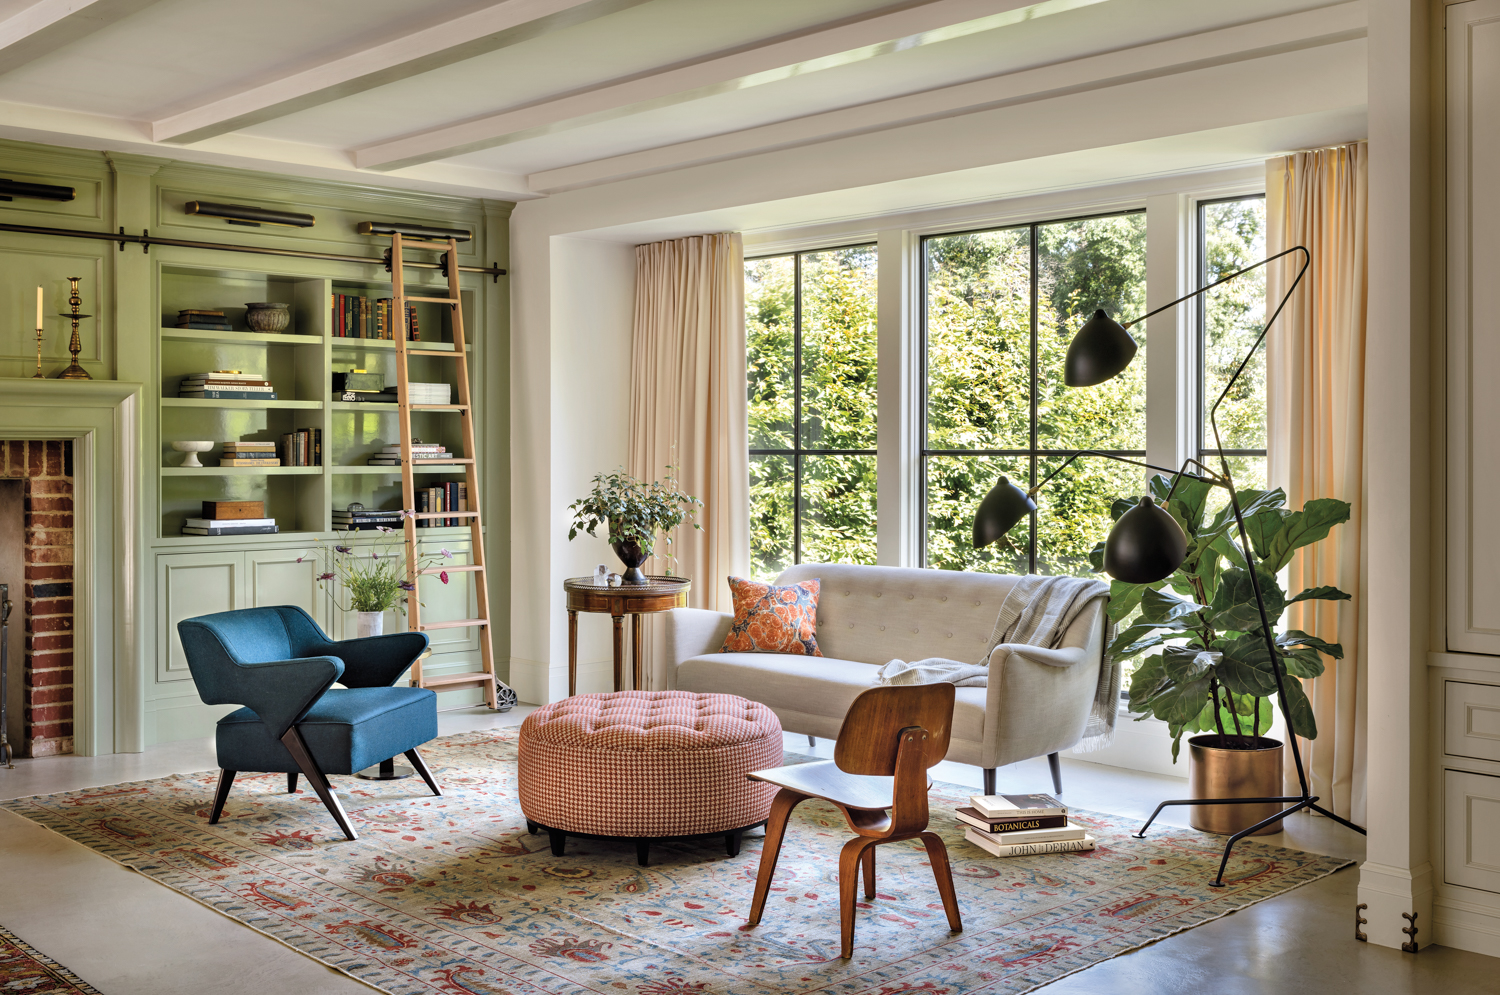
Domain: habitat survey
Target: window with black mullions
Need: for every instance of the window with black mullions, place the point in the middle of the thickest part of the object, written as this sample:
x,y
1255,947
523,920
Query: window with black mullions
x,y
998,310
810,327
1231,236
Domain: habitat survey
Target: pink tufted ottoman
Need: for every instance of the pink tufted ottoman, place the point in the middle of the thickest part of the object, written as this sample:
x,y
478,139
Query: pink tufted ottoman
x,y
647,765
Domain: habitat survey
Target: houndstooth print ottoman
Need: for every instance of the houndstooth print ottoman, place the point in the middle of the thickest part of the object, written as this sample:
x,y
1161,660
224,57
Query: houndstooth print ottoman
x,y
647,765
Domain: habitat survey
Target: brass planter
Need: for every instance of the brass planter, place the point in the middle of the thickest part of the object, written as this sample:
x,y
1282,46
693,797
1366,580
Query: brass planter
x,y
1217,772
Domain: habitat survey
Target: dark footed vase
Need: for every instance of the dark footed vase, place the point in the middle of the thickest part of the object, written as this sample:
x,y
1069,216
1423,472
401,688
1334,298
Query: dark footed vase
x,y
630,553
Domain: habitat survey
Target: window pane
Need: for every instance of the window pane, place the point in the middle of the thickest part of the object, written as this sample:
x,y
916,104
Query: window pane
x,y
955,486
978,289
770,330
1073,510
838,509
1083,266
838,349
770,516
1234,236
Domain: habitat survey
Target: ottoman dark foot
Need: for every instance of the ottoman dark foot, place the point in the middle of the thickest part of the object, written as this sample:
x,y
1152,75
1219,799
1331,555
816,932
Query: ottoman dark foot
x,y
732,842
559,841
642,851
532,827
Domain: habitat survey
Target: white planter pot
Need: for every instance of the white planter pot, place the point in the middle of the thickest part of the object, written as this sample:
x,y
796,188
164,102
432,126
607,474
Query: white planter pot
x,y
369,624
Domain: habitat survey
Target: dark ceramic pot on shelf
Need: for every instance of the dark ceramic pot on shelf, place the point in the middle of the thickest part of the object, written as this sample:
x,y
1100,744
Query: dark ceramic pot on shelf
x,y
267,316
630,553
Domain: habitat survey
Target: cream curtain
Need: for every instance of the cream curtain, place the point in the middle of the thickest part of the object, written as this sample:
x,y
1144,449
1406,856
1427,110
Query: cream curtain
x,y
687,375
1315,436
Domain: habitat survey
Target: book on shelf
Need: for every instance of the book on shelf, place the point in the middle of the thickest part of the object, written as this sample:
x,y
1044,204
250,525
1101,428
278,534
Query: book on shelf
x,y
203,312
260,462
1006,824
303,447
367,396
354,316
982,841
1017,806
226,375
249,447
417,446
242,383
229,523
1067,832
207,326
230,530
451,496
228,395
234,509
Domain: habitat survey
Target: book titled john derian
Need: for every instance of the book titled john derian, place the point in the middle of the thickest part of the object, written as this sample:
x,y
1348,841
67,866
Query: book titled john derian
x,y
984,842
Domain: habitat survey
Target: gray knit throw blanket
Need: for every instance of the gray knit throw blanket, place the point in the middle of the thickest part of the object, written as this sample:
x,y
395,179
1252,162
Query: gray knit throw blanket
x,y
1038,611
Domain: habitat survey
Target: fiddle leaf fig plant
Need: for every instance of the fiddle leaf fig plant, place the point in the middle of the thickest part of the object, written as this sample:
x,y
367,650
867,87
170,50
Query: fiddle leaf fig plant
x,y
1211,670
632,510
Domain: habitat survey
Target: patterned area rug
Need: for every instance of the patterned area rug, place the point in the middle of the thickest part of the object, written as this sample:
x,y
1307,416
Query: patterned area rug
x,y
452,895
23,968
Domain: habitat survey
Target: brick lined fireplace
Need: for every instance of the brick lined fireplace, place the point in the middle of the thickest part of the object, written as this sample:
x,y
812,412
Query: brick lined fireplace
x,y
42,692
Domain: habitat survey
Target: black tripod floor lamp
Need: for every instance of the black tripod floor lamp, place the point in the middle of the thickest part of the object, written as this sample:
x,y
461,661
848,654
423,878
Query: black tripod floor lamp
x,y
1146,544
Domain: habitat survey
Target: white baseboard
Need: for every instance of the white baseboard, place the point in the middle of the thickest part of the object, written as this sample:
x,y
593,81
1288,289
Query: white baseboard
x,y
1467,926
537,683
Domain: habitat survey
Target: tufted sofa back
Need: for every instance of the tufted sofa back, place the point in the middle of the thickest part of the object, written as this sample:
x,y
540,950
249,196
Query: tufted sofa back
x,y
877,614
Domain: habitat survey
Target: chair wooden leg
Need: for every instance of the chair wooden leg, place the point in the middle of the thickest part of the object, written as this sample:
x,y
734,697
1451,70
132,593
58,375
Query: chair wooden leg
x,y
989,780
291,783
1055,762
850,859
937,856
319,781
421,766
781,810
226,778
869,865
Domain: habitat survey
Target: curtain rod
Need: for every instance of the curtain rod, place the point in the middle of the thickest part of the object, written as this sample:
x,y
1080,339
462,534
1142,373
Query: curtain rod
x,y
145,241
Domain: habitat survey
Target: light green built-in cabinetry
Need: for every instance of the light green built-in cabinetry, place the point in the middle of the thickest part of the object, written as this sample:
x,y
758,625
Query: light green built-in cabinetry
x,y
137,295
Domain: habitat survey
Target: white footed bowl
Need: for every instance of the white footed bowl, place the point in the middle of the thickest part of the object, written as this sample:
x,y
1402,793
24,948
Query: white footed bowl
x,y
192,449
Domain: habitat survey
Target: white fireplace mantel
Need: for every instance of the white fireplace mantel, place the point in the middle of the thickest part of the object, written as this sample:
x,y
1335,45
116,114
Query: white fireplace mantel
x,y
102,419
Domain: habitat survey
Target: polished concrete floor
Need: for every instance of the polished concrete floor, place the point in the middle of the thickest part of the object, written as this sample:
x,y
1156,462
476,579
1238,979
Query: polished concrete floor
x,y
128,935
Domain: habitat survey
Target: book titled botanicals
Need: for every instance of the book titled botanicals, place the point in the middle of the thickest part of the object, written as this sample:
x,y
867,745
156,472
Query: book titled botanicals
x,y
983,841
1017,806
1068,832
1007,824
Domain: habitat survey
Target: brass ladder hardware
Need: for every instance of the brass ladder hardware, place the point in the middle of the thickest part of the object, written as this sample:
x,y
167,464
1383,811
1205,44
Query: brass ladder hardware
x,y
1359,921
496,694
1410,946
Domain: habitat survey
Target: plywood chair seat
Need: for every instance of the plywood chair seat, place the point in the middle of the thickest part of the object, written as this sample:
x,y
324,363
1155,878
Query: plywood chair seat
x,y
878,781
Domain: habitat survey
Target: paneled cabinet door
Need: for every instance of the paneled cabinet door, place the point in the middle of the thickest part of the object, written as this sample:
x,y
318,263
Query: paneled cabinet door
x,y
188,585
275,577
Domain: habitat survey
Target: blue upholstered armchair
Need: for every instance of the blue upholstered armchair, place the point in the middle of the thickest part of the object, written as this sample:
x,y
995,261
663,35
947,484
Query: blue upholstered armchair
x,y
279,665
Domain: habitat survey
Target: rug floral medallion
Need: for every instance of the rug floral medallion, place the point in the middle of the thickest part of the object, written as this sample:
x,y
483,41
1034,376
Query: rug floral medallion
x,y
452,895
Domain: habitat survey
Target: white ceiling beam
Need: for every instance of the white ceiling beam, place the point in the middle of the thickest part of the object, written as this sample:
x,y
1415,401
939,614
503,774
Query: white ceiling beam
x,y
1323,26
823,46
479,33
44,27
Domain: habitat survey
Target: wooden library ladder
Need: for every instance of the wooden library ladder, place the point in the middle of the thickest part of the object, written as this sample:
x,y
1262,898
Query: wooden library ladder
x,y
496,694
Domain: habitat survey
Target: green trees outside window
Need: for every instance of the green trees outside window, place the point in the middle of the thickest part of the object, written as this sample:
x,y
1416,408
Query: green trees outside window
x,y
810,327
1231,236
999,308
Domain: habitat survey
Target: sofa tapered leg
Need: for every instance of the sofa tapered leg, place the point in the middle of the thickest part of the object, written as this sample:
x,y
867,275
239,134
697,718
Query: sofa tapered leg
x,y
226,778
421,766
1055,762
294,744
291,783
812,741
989,780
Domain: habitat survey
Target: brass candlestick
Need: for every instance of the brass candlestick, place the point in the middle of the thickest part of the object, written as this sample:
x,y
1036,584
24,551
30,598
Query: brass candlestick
x,y
38,374
74,371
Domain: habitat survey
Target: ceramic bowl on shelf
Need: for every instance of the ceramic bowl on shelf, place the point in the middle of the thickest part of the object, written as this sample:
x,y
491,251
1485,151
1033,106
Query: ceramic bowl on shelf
x,y
192,449
268,316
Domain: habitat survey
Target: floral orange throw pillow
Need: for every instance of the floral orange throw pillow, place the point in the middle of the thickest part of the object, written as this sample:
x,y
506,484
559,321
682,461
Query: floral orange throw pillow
x,y
771,619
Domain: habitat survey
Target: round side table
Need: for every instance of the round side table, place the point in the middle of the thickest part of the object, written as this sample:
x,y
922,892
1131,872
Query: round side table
x,y
658,594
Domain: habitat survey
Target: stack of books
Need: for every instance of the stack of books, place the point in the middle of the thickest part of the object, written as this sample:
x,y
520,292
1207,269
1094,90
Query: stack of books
x,y
391,455
249,454
226,385
231,518
209,320
356,317
356,517
303,447
452,496
1021,825
424,393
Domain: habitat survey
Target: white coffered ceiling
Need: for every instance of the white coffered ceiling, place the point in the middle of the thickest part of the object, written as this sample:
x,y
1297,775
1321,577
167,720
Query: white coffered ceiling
x,y
522,98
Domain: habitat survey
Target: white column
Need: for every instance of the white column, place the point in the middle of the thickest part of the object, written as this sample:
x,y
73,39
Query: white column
x,y
898,459
1171,351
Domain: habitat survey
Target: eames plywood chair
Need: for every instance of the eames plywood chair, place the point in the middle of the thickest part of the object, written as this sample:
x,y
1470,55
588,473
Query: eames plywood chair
x,y
878,780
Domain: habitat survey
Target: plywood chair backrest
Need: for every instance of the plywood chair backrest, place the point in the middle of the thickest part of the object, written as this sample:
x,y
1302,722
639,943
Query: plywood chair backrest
x,y
870,737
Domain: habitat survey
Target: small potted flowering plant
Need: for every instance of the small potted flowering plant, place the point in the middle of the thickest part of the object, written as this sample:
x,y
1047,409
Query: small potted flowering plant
x,y
371,576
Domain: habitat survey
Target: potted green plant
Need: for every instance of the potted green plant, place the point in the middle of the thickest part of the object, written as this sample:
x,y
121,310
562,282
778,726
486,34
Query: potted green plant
x,y
371,576
1210,672
634,514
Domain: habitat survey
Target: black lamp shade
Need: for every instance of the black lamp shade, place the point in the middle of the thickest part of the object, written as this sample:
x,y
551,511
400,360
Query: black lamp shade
x,y
1101,349
1145,545
1004,506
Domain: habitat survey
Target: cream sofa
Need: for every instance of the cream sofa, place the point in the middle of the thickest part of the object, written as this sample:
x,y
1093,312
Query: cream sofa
x,y
1036,704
